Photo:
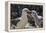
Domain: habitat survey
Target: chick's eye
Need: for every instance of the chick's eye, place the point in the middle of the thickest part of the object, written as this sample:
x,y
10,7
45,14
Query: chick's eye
x,y
33,13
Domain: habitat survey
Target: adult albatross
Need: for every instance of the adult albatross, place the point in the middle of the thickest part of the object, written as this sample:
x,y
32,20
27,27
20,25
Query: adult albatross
x,y
23,19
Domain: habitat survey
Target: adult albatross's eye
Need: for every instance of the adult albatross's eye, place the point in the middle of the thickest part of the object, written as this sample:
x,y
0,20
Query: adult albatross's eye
x,y
25,10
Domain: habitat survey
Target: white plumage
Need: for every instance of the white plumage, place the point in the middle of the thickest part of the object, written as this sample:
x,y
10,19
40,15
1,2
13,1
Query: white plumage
x,y
37,18
23,19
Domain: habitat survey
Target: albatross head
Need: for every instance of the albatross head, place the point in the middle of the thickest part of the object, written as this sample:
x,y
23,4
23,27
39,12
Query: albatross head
x,y
34,12
26,10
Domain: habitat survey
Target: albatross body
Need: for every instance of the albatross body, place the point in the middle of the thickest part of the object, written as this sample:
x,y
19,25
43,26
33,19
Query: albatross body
x,y
23,20
36,18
